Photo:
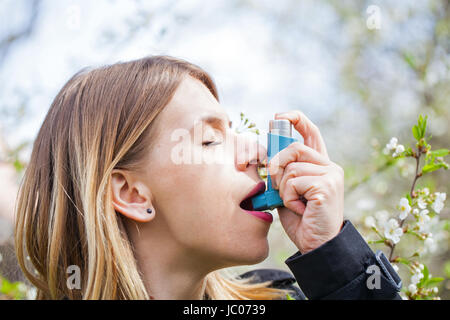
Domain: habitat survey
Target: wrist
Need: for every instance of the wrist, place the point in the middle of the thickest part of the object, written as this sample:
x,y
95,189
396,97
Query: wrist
x,y
319,241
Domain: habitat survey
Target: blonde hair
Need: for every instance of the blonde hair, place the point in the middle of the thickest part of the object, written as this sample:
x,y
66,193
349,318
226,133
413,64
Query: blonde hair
x,y
100,120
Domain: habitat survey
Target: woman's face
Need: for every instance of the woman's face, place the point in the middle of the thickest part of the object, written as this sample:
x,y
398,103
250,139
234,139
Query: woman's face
x,y
198,173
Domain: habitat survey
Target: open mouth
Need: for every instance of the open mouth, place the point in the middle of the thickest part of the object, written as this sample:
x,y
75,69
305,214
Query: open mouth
x,y
247,204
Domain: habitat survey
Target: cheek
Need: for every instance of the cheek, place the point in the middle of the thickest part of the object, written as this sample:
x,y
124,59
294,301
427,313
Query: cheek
x,y
203,194
192,198
201,212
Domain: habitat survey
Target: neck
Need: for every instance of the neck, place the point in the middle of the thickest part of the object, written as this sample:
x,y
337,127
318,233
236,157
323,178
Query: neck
x,y
169,271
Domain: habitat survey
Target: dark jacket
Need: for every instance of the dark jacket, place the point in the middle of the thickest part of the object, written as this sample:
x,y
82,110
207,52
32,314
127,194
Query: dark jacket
x,y
342,268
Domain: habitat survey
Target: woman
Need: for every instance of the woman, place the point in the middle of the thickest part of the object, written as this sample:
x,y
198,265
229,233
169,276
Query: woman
x,y
110,194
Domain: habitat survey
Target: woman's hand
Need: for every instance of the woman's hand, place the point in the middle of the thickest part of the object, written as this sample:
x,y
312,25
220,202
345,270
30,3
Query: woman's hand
x,y
305,170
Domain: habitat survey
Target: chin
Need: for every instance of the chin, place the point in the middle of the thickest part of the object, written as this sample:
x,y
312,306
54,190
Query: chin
x,y
252,254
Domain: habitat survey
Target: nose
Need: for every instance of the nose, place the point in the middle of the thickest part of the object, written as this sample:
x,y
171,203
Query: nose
x,y
248,153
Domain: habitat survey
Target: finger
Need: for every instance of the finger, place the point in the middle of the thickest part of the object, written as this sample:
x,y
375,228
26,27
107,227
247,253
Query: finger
x,y
290,220
309,131
295,152
298,169
307,186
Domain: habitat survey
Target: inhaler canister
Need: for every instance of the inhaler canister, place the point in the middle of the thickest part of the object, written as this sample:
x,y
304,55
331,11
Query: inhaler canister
x,y
278,138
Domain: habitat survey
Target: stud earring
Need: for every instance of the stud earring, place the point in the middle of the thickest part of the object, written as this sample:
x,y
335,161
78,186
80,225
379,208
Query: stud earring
x,y
149,211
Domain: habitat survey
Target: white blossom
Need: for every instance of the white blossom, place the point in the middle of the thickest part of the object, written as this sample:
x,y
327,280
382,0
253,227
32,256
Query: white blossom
x,y
22,287
441,195
430,225
430,245
421,203
392,231
369,222
416,277
395,267
423,219
32,293
399,149
412,288
438,203
426,191
405,208
392,143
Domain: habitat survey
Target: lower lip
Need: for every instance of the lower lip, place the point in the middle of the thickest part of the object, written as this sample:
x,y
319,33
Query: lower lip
x,y
262,215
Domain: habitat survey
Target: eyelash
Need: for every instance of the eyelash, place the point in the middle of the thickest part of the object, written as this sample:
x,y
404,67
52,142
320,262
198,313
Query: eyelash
x,y
210,143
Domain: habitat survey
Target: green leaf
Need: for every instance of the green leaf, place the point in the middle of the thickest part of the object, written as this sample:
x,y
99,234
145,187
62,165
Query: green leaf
x,y
416,132
408,196
423,127
426,274
420,121
6,286
440,152
446,227
404,261
447,269
433,281
409,59
18,165
408,151
430,167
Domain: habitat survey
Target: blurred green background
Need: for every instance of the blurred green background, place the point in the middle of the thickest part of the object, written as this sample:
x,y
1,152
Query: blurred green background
x,y
362,71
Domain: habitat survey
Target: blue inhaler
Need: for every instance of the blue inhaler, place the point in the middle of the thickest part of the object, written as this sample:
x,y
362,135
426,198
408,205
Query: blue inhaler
x,y
278,138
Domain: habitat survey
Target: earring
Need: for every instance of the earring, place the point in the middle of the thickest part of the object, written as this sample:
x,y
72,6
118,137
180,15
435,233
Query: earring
x,y
149,211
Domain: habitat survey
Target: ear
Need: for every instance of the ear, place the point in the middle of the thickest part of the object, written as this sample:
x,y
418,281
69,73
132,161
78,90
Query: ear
x,y
131,198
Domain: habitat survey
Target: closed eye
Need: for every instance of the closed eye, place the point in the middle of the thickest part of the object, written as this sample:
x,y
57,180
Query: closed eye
x,y
210,143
